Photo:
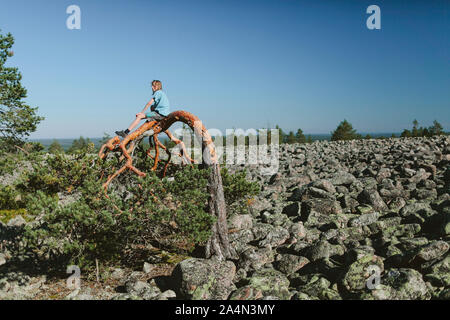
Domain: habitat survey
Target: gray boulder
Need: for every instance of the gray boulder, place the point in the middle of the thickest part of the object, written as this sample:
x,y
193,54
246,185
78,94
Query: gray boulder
x,y
408,284
255,258
204,279
262,284
290,263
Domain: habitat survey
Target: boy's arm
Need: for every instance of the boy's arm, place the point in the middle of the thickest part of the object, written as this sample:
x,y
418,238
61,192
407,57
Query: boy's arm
x,y
148,105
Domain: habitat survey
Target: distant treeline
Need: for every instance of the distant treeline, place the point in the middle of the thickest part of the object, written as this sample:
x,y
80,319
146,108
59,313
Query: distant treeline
x,y
344,131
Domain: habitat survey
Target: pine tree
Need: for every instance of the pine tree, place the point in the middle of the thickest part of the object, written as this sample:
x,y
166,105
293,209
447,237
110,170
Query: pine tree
x,y
415,130
436,129
80,144
344,131
406,133
55,147
17,119
281,134
291,138
300,136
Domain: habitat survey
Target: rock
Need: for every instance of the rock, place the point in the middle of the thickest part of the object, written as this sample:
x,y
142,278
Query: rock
x,y
290,263
408,244
397,204
383,173
275,219
418,212
125,296
239,240
17,222
292,210
275,237
445,294
264,283
364,219
117,274
319,193
148,268
261,230
260,205
407,283
347,202
323,249
2,259
355,278
19,286
404,230
141,289
240,275
240,222
80,294
342,178
424,194
204,279
253,258
358,253
419,176
320,207
442,266
324,185
166,295
352,233
319,287
372,198
297,230
430,252
438,279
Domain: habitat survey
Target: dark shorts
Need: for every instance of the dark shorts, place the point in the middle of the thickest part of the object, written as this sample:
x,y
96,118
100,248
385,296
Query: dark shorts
x,y
152,116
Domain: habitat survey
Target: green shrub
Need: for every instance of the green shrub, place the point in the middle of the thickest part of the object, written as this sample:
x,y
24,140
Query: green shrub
x,y
9,162
57,173
6,215
10,198
140,213
238,191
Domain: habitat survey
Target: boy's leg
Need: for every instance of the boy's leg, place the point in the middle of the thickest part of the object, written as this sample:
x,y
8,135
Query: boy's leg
x,y
135,123
151,116
124,133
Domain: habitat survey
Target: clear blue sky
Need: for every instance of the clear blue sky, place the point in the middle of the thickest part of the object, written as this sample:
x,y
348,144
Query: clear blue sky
x,y
233,63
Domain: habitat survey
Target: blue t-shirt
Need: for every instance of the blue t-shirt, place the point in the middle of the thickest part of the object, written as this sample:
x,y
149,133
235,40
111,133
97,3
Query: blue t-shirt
x,y
161,103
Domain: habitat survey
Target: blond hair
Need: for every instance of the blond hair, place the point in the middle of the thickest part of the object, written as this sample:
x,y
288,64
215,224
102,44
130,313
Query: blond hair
x,y
157,84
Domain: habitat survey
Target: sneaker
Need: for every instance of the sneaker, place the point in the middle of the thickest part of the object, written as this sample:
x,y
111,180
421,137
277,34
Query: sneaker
x,y
121,133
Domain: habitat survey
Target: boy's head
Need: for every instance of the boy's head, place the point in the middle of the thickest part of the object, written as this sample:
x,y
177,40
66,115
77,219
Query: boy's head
x,y
156,85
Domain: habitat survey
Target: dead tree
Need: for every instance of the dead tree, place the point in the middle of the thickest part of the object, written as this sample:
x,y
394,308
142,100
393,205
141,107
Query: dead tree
x,y
218,245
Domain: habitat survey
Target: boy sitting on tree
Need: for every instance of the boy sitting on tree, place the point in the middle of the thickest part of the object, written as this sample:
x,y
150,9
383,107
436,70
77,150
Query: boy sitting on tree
x,y
159,107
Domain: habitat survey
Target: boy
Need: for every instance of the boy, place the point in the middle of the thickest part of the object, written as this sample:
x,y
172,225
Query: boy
x,y
159,105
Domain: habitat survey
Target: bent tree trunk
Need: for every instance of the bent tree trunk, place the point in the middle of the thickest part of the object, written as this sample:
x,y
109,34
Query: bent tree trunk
x,y
218,245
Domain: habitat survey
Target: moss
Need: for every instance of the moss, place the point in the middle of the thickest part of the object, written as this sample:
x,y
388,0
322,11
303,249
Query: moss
x,y
202,292
6,215
172,258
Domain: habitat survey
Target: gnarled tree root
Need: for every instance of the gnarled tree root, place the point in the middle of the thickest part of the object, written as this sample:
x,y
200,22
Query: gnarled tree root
x,y
218,244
